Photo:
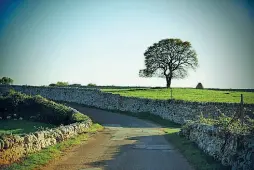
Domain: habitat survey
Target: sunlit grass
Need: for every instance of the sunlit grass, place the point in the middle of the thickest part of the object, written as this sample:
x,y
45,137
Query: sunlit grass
x,y
198,95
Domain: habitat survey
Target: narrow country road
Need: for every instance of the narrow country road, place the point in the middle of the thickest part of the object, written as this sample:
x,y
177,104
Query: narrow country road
x,y
127,143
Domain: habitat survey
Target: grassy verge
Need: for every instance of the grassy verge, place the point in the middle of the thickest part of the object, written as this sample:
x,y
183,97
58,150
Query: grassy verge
x,y
21,126
196,95
36,160
196,157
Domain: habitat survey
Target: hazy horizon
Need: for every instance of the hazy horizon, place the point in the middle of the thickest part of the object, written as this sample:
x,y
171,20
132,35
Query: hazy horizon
x,y
103,42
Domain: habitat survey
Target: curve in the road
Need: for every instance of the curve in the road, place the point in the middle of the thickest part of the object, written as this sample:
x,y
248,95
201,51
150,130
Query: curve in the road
x,y
127,143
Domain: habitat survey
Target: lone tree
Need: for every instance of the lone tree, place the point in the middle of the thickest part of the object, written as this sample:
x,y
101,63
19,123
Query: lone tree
x,y
6,80
170,59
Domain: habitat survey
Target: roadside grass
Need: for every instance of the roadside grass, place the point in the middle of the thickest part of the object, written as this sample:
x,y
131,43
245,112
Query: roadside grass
x,y
37,160
195,95
195,156
21,126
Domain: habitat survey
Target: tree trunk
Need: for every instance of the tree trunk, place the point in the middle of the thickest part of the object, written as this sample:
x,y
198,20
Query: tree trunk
x,y
168,79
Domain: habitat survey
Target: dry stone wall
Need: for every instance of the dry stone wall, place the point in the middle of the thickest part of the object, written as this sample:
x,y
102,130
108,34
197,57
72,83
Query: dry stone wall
x,y
235,150
176,111
13,147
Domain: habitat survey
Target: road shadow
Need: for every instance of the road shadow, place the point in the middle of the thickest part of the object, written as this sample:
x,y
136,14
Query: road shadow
x,y
123,119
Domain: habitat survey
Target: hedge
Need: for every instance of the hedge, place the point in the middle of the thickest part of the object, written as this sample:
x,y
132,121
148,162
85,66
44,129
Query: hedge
x,y
18,105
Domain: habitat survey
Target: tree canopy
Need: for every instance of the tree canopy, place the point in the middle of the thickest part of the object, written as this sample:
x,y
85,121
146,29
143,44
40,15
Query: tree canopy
x,y
170,59
6,80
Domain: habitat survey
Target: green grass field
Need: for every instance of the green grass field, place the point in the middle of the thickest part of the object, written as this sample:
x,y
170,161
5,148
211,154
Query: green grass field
x,y
186,94
21,126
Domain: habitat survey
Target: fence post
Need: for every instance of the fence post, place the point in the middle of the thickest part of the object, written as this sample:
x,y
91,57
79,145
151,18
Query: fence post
x,y
171,93
241,109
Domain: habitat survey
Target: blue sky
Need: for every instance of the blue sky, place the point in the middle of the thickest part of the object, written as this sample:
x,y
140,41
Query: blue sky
x,y
103,41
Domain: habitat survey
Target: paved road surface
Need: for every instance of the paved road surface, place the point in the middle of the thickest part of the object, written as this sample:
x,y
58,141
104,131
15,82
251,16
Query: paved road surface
x,y
127,143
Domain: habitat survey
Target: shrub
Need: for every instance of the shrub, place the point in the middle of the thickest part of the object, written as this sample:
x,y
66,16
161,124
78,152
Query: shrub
x,y
49,111
3,105
91,85
10,102
37,108
79,117
59,83
228,124
199,86
6,81
52,84
75,85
